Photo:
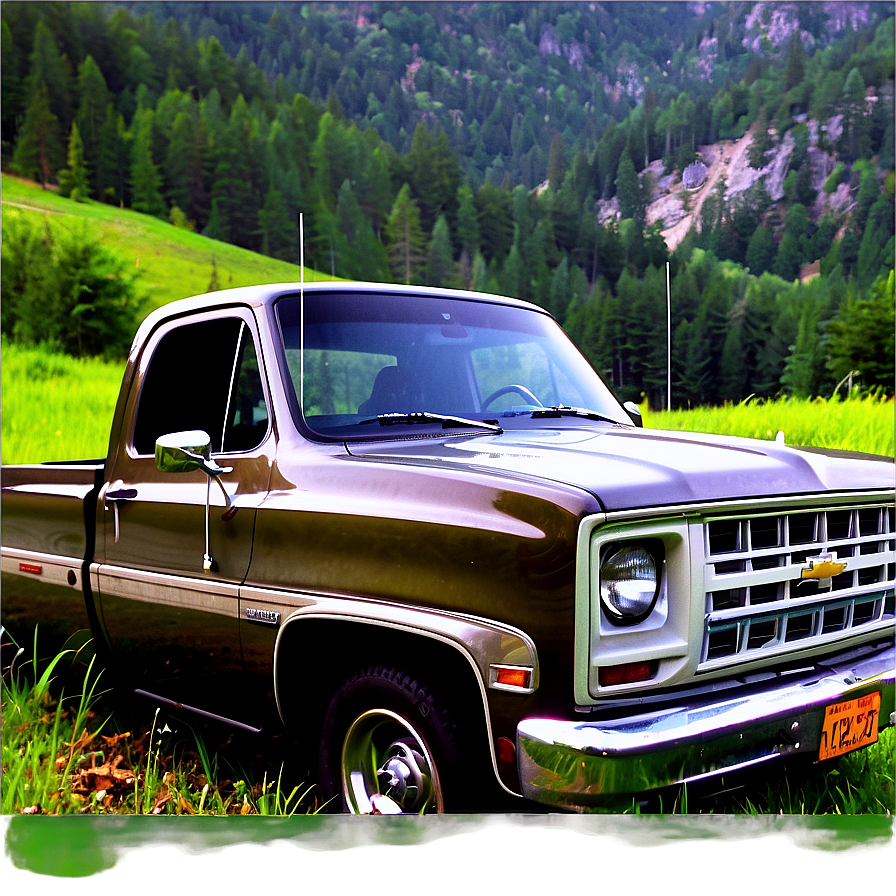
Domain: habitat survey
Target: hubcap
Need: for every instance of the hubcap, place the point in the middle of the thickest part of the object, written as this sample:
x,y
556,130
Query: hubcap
x,y
383,756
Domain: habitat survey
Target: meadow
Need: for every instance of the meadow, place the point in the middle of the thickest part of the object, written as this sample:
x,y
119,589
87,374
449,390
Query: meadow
x,y
172,262
92,753
57,408
60,408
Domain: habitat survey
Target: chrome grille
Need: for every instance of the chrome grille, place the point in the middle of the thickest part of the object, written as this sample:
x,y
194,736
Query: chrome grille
x,y
758,602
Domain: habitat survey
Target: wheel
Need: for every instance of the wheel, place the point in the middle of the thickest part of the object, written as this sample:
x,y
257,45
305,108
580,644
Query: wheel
x,y
522,391
389,746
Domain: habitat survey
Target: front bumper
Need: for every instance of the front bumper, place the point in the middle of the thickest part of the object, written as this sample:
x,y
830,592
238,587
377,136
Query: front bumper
x,y
575,764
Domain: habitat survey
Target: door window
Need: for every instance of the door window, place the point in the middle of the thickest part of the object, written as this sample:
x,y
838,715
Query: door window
x,y
204,375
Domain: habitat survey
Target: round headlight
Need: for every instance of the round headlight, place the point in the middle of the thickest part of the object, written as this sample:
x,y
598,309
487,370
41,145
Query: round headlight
x,y
629,584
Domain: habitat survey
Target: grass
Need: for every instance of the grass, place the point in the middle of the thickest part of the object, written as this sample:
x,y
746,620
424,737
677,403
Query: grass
x,y
172,262
79,754
55,407
856,424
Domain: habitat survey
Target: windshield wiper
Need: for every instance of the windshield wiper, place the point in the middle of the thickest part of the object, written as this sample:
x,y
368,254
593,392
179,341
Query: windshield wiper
x,y
562,410
424,417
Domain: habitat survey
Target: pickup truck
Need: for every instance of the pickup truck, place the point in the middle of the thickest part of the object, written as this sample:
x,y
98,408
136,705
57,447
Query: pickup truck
x,y
414,527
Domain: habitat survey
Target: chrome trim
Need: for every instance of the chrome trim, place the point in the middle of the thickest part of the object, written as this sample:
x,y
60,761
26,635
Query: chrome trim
x,y
169,590
812,499
265,617
575,764
511,688
55,568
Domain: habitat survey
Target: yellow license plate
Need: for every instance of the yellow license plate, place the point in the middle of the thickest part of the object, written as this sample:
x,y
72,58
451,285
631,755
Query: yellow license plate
x,y
849,726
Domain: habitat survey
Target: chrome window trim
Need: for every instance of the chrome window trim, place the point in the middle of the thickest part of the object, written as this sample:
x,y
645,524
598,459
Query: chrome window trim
x,y
244,314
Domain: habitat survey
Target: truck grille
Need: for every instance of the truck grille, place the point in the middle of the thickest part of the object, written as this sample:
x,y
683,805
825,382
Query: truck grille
x,y
759,602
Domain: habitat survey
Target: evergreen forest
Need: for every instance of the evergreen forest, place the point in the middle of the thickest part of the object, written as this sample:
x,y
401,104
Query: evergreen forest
x,y
507,147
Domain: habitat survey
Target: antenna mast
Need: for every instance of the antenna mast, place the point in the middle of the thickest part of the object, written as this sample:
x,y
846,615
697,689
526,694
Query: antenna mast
x,y
302,313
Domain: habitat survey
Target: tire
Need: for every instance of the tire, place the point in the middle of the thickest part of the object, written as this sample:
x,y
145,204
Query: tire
x,y
389,745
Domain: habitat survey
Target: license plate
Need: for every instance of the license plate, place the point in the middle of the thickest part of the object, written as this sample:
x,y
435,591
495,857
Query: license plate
x,y
849,726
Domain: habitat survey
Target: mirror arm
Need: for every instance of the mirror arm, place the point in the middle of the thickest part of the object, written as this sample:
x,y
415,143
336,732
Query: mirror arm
x,y
227,502
212,469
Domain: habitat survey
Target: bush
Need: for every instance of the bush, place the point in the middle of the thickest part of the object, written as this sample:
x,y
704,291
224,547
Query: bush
x,y
66,290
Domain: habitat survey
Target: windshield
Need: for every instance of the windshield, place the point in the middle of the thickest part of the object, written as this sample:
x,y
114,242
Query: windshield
x,y
412,360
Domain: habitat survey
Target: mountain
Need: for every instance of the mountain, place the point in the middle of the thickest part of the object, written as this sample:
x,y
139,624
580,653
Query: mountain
x,y
559,152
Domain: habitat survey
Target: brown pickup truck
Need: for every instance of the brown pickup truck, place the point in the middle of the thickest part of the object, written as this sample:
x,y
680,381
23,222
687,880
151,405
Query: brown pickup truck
x,y
417,523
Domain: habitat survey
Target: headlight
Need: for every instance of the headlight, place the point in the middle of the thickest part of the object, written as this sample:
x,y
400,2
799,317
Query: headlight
x,y
629,584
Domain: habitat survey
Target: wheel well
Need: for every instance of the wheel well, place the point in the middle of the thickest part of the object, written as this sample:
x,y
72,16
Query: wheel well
x,y
315,656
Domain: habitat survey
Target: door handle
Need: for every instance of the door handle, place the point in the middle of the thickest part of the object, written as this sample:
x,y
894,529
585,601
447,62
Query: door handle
x,y
116,495
121,494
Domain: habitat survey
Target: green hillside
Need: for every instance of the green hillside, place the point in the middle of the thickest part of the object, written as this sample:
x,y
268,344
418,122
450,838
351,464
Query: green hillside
x,y
173,263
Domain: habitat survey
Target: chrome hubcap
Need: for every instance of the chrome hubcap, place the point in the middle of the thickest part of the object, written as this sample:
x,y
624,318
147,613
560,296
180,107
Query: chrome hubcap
x,y
386,767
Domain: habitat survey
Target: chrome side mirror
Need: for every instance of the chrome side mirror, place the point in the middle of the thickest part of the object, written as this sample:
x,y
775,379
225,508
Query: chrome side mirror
x,y
634,412
183,452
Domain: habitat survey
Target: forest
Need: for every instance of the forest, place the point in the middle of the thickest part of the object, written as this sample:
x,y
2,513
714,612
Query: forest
x,y
480,145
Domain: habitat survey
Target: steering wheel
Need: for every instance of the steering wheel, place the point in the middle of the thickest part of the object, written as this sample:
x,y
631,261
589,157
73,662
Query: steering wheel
x,y
522,391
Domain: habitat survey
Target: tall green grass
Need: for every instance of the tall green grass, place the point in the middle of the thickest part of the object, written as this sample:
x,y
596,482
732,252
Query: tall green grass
x,y
65,750
59,408
855,424
55,407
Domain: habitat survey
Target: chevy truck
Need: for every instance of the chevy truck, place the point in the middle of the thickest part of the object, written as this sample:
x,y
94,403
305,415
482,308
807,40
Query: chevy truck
x,y
414,527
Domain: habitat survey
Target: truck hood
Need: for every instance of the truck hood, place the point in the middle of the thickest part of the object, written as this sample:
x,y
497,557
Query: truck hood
x,y
632,468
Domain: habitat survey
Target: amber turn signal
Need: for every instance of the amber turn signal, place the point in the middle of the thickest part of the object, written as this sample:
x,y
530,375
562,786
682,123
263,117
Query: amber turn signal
x,y
512,677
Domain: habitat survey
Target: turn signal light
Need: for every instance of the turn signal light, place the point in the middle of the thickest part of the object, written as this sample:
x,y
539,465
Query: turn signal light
x,y
512,676
626,673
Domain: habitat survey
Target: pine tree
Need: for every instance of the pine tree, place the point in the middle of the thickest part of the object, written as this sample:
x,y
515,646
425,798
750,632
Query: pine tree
x,y
74,181
467,225
50,70
556,163
38,152
279,238
145,181
405,238
628,192
94,98
439,260
760,251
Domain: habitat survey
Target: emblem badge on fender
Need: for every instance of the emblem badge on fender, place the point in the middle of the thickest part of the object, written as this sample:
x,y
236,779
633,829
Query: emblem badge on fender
x,y
266,616
822,568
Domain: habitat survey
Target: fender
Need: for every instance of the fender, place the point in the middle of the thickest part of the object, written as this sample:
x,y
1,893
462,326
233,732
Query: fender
x,y
486,645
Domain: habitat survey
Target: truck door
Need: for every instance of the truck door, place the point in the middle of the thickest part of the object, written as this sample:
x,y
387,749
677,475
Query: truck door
x,y
171,613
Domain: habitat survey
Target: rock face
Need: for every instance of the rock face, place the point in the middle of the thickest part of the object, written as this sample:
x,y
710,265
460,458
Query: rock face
x,y
676,206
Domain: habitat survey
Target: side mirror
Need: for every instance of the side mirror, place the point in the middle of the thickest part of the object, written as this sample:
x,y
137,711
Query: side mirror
x,y
183,452
634,412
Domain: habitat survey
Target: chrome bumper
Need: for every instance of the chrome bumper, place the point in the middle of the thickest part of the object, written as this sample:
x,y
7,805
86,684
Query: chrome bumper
x,y
575,764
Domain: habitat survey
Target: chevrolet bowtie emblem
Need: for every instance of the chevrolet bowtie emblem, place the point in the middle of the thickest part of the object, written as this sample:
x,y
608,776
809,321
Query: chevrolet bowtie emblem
x,y
823,568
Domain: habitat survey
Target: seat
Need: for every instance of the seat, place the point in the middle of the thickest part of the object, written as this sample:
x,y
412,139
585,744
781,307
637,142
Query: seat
x,y
391,393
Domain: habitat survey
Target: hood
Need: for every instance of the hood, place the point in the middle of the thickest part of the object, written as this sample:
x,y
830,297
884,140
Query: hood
x,y
632,468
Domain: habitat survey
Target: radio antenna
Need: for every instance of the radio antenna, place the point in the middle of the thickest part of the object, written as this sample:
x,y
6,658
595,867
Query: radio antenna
x,y
302,313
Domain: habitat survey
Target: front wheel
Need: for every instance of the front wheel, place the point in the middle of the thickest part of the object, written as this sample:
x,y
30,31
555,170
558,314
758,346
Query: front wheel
x,y
390,746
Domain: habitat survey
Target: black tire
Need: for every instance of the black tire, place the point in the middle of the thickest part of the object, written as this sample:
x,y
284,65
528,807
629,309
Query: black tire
x,y
384,720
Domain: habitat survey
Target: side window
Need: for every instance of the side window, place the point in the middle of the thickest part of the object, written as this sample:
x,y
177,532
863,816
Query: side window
x,y
205,376
247,416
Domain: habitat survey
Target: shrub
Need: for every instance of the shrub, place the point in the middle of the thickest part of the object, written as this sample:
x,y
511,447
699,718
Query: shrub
x,y
68,291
